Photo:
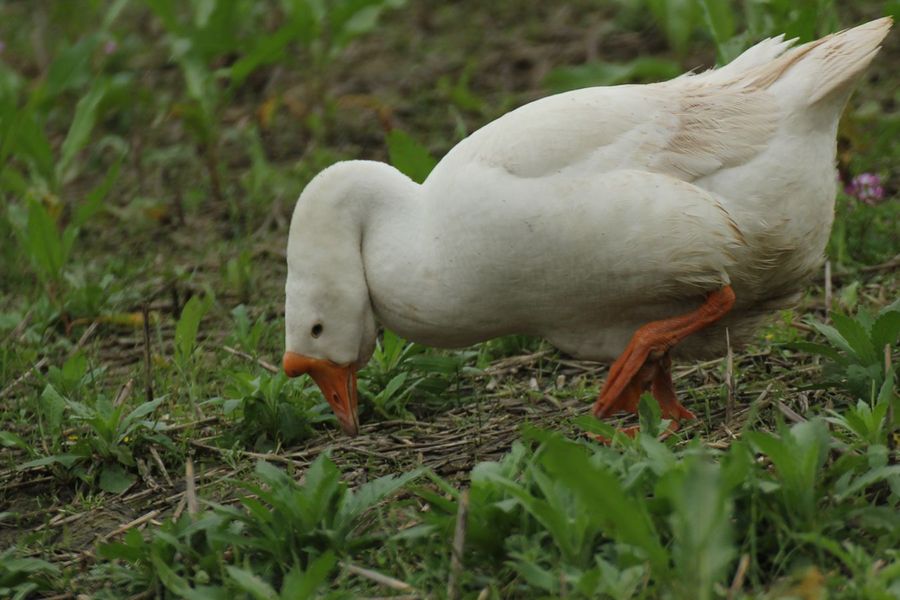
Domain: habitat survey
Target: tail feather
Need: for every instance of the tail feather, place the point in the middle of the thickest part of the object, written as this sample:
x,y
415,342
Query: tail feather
x,y
825,68
758,55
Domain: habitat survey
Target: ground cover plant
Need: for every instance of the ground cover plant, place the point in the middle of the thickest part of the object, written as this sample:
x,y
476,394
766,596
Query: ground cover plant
x,y
150,447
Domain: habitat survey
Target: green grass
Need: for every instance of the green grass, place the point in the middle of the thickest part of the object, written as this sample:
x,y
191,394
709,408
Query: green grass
x,y
151,154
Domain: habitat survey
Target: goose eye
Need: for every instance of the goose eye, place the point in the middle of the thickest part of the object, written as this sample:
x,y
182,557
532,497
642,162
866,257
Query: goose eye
x,y
316,330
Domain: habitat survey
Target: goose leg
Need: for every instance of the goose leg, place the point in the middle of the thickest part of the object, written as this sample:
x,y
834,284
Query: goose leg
x,y
645,362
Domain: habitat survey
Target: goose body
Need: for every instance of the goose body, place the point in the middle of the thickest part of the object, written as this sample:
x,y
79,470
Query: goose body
x,y
582,216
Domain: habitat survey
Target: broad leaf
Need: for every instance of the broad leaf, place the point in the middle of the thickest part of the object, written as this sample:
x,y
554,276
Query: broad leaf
x,y
409,157
115,479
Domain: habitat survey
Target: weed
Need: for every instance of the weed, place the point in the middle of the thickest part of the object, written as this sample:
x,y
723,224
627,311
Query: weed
x,y
272,410
285,536
400,371
859,352
21,577
186,343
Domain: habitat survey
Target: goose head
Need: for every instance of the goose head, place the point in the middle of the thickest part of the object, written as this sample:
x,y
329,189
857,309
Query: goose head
x,y
329,322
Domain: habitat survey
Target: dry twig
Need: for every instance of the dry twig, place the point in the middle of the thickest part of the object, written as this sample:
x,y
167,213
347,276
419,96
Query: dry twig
x,y
738,582
190,490
379,578
263,363
459,541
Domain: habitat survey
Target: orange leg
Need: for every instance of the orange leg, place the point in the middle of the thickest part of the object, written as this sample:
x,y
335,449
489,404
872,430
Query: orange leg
x,y
645,362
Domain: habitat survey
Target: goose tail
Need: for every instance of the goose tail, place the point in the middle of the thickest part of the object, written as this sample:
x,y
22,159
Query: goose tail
x,y
824,71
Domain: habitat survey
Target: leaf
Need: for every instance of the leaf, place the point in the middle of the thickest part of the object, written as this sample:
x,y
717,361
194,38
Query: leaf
x,y
820,349
677,19
131,548
51,408
720,21
115,479
166,11
554,521
44,243
28,140
650,415
867,479
833,336
797,454
370,493
623,517
94,201
66,460
353,19
9,439
701,524
885,331
299,585
176,584
408,156
856,337
268,49
187,327
70,68
143,409
80,130
252,584
563,79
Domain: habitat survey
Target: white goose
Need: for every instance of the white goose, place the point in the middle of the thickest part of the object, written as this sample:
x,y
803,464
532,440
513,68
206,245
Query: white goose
x,y
612,221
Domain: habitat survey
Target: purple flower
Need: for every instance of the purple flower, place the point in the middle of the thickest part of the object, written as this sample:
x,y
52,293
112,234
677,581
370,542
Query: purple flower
x,y
2,46
110,47
866,188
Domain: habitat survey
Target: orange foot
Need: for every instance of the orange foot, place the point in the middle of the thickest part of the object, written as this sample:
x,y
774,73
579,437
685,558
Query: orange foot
x,y
645,363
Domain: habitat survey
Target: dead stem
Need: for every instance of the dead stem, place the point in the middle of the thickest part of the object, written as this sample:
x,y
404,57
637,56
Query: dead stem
x,y
459,540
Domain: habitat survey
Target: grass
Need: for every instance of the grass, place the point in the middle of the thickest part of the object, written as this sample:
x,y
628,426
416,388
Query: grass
x,y
151,153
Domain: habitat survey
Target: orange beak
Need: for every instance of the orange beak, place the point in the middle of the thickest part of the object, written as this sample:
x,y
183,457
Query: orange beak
x,y
337,382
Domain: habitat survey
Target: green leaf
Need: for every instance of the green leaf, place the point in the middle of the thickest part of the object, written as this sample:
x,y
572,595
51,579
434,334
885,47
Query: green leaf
x,y
798,454
176,584
623,517
677,18
268,49
142,410
80,130
833,336
353,19
701,525
44,243
371,493
252,584
9,439
93,204
867,479
187,327
821,350
650,415
408,156
202,90
298,585
131,548
720,21
51,409
563,79
28,140
166,11
70,69
115,479
885,331
66,460
554,521
856,336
